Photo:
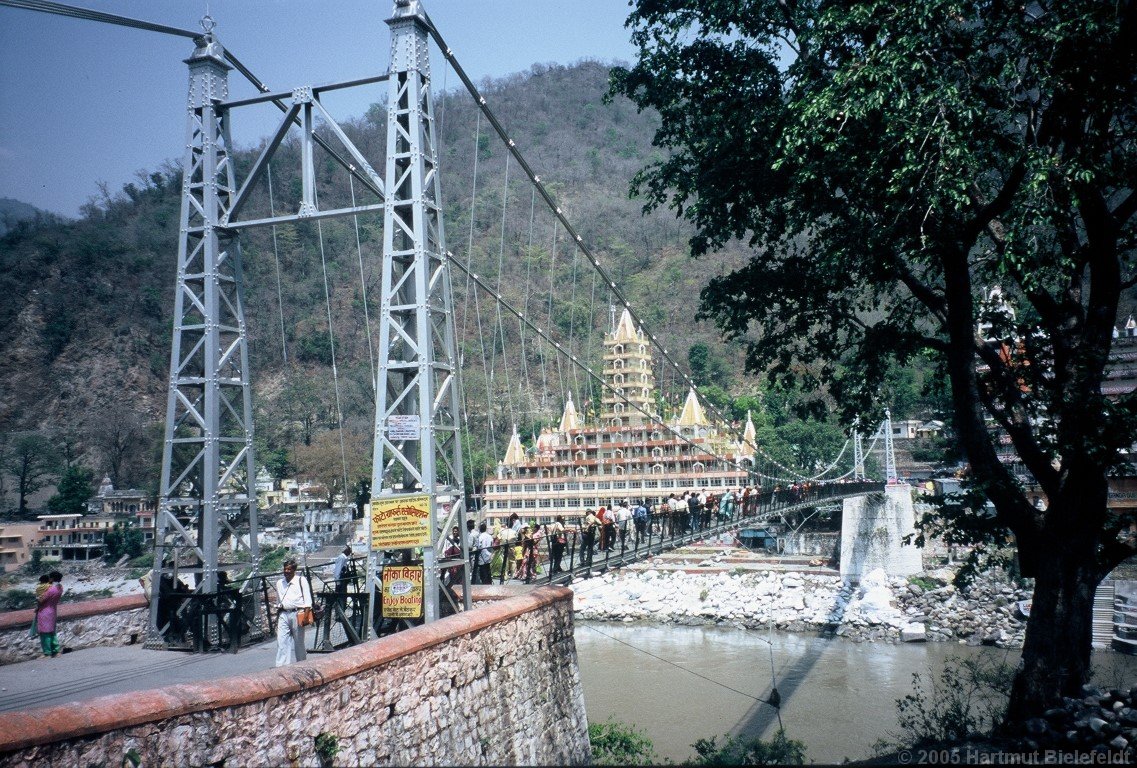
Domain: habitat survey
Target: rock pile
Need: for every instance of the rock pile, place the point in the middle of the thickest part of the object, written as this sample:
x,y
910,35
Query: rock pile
x,y
983,613
1102,721
879,608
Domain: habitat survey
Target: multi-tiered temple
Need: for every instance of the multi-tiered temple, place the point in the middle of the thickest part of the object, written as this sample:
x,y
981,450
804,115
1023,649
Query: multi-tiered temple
x,y
629,453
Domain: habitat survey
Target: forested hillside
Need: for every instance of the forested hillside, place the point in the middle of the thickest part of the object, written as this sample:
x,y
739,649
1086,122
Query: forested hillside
x,y
85,307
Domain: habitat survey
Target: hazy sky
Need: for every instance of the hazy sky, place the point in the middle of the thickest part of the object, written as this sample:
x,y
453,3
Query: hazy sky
x,y
85,102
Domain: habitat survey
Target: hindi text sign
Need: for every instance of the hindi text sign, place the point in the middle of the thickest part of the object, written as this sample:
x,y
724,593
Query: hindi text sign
x,y
403,427
400,522
402,591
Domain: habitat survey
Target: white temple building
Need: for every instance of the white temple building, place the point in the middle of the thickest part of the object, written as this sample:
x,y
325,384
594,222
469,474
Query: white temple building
x,y
627,454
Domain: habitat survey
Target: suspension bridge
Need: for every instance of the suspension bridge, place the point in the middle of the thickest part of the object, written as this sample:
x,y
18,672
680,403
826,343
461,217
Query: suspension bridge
x,y
460,353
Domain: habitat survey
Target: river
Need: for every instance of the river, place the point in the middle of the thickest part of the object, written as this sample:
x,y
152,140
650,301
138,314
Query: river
x,y
679,684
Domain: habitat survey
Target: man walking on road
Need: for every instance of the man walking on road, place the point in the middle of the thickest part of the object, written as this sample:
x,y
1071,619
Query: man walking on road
x,y
293,592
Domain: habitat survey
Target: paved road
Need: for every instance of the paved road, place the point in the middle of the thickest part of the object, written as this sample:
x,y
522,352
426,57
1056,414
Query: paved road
x,y
92,672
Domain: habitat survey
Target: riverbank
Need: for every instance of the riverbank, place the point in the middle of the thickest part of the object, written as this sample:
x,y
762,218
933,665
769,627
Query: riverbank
x,y
713,591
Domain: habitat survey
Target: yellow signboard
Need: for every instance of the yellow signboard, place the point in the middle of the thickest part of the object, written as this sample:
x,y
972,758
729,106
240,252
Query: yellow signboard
x,y
400,522
402,591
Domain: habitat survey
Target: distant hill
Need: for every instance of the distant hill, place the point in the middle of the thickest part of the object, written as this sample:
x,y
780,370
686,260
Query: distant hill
x,y
12,212
85,306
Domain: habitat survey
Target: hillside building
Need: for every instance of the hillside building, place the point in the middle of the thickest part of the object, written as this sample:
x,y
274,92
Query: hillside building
x,y
16,542
130,505
73,537
625,453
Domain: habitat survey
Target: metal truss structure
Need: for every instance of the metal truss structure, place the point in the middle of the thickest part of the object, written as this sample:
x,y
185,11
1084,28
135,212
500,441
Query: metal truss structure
x,y
208,465
418,448
889,450
207,457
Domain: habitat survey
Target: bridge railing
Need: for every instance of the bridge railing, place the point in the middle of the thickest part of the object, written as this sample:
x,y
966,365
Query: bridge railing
x,y
544,559
245,610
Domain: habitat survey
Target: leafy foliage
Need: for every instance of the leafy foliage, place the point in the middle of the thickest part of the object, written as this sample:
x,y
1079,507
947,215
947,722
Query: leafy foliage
x,y
75,487
123,540
967,700
616,743
945,180
738,750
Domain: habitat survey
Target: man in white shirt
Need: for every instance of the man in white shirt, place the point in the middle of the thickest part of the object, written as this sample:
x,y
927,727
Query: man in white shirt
x,y
623,518
293,592
485,554
338,569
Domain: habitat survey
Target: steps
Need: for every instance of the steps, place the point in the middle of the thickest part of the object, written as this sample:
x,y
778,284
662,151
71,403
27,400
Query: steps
x,y
1103,614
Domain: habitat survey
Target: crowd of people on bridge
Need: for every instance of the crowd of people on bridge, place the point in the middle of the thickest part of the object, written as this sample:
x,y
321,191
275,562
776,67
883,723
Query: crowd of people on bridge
x,y
518,550
500,552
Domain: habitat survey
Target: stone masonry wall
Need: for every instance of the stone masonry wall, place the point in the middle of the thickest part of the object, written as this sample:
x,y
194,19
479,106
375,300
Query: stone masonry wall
x,y
497,685
110,621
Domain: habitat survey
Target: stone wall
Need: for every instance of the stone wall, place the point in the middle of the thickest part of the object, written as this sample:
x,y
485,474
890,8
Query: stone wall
x,y
815,543
497,685
109,621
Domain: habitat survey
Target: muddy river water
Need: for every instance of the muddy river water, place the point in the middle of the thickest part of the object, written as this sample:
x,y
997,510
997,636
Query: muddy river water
x,y
679,684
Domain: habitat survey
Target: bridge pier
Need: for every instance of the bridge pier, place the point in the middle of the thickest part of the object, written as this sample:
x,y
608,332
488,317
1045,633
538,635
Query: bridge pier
x,y
873,528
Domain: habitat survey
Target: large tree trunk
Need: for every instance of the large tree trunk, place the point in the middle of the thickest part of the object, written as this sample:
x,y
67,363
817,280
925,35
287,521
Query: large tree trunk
x,y
1056,651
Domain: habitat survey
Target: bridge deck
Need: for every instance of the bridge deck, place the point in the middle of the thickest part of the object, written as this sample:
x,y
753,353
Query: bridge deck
x,y
91,672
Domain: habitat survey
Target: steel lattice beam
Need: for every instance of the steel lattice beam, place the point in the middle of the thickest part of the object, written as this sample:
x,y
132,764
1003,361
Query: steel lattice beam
x,y
207,458
419,373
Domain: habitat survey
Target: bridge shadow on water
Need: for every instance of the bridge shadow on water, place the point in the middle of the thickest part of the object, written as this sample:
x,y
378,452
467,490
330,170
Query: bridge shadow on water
x,y
762,718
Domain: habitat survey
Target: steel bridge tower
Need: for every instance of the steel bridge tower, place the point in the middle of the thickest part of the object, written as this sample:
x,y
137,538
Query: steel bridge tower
x,y
858,456
417,415
207,456
889,449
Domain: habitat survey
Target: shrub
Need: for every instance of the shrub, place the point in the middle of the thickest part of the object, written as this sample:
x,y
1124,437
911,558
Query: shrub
x,y
616,743
969,699
17,600
327,746
738,750
144,561
925,583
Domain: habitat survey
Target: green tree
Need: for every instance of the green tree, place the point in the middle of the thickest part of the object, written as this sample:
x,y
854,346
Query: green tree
x,y
707,366
75,487
31,460
122,539
890,163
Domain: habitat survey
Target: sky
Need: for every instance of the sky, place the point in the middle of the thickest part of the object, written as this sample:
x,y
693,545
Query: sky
x,y
85,103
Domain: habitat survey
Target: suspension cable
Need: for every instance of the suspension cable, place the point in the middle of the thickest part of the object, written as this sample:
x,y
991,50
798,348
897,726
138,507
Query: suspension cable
x,y
373,371
276,260
526,379
500,330
580,363
576,238
332,347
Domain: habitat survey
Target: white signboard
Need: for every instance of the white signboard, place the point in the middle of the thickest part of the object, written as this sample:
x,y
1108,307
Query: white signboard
x,y
402,427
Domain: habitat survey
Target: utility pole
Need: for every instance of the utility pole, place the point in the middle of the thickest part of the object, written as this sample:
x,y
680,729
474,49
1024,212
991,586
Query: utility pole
x,y
418,451
208,468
